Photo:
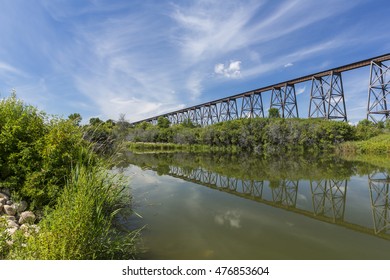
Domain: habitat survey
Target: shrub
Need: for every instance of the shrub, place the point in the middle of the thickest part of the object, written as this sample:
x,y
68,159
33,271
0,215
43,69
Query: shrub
x,y
80,227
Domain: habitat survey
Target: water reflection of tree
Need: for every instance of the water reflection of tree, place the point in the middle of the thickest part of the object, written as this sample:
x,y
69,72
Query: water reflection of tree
x,y
258,168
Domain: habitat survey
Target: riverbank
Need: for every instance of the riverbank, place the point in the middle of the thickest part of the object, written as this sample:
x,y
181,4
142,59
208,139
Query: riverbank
x,y
378,145
257,135
47,162
263,136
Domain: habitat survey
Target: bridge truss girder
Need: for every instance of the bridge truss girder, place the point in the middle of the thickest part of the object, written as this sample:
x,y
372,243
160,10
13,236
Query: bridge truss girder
x,y
378,92
327,97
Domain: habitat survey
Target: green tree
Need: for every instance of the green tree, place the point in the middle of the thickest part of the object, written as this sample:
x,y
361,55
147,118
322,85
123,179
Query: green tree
x,y
95,121
273,113
163,122
188,123
75,118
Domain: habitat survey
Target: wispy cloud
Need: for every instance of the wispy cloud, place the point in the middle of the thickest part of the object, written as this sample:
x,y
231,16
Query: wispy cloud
x,y
300,90
207,28
6,69
115,58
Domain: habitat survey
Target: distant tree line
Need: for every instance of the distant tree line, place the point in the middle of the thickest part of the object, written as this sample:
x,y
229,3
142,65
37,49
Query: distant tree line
x,y
259,134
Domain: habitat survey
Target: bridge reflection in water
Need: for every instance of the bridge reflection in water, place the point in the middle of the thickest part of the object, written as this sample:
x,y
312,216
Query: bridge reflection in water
x,y
379,193
328,196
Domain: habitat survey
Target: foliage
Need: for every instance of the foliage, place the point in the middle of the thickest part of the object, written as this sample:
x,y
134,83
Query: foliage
x,y
366,129
76,118
379,145
35,153
48,162
273,113
80,227
163,122
270,135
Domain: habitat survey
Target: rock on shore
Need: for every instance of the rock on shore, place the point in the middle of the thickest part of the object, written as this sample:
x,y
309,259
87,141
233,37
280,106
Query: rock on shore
x,y
15,217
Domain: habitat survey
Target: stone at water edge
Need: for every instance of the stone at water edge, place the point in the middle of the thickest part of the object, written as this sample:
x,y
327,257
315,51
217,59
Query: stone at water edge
x,y
9,218
27,229
20,206
27,217
12,230
1,207
3,195
9,210
12,224
3,200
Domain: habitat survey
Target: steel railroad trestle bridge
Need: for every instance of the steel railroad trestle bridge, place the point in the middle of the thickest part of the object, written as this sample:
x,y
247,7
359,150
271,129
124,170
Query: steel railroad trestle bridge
x,y
326,98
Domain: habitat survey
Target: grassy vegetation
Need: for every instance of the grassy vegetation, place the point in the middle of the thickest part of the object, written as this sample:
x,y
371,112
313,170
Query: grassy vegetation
x,y
80,227
378,145
52,164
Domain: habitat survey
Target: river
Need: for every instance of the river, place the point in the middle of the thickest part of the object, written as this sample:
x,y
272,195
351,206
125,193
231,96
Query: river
x,y
203,206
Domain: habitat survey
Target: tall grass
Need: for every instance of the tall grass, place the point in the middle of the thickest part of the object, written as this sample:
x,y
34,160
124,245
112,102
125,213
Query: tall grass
x,y
378,145
82,224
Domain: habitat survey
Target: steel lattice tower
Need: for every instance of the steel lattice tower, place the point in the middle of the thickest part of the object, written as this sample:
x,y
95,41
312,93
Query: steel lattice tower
x,y
252,106
378,92
285,100
327,97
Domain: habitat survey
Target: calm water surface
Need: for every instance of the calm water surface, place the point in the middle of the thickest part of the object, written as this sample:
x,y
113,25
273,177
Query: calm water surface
x,y
237,207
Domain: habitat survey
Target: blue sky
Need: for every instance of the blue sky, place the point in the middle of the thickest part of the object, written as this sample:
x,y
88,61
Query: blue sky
x,y
143,58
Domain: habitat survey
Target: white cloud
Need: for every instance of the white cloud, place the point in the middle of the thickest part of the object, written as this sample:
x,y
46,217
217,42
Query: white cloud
x,y
232,70
194,85
288,65
300,90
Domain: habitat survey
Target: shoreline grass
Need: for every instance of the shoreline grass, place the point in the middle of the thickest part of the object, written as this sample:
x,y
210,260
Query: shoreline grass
x,y
82,224
378,145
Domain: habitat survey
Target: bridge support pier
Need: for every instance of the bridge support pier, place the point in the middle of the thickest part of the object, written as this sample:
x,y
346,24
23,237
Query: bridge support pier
x,y
285,100
252,106
327,97
286,193
328,197
379,184
228,110
378,91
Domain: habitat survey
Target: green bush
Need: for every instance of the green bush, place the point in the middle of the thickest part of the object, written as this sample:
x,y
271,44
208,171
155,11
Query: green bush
x,y
254,135
35,153
366,130
49,163
80,227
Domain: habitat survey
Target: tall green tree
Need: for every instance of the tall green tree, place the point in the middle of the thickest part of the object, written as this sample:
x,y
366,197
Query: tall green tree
x,y
75,118
163,122
273,113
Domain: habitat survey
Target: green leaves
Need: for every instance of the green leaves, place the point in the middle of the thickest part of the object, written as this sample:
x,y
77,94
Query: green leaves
x,y
271,135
